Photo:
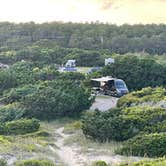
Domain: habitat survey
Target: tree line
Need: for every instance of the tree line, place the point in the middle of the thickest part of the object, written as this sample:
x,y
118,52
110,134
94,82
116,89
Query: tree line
x,y
89,36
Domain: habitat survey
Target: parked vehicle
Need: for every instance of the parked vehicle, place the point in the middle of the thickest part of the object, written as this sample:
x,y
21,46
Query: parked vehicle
x,y
70,66
109,86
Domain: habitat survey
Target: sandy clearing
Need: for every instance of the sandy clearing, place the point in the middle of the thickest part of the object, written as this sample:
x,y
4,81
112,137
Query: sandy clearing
x,y
104,103
72,156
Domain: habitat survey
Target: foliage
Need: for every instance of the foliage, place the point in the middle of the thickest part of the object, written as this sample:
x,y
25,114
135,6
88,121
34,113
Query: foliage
x,y
75,76
119,39
7,79
23,72
151,145
155,162
10,112
98,125
45,73
99,163
156,128
119,125
21,126
86,58
4,140
89,44
3,162
148,94
57,99
137,72
16,94
34,163
72,127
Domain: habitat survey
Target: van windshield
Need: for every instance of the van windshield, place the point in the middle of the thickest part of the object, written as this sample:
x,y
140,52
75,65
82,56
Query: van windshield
x,y
120,84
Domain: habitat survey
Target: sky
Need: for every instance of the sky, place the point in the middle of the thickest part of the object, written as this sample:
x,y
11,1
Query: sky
x,y
110,11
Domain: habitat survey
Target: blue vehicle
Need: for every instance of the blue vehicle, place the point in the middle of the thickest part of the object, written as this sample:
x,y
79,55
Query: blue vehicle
x,y
110,86
69,69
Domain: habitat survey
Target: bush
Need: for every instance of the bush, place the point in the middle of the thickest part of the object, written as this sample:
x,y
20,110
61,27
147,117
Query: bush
x,y
7,79
34,163
99,163
10,112
156,128
120,125
4,140
148,94
21,126
156,162
57,99
72,76
151,145
16,94
3,162
98,125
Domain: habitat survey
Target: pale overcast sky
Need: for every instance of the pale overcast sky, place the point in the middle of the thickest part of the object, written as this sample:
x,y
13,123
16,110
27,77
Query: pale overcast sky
x,y
112,11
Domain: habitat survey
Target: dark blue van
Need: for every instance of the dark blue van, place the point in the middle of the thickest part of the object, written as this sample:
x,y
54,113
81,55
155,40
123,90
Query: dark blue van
x,y
121,88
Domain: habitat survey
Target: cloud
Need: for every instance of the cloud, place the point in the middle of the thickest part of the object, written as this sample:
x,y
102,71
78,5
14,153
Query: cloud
x,y
111,4
107,4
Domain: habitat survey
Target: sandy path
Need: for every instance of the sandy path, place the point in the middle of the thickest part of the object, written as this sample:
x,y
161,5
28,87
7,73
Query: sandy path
x,y
67,154
71,156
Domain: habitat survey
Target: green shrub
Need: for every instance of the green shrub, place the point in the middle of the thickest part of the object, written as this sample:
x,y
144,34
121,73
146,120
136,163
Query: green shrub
x,y
72,127
151,145
148,94
16,94
3,162
99,163
10,112
21,126
156,128
4,140
71,76
156,162
34,163
120,125
23,72
57,99
98,125
40,133
145,116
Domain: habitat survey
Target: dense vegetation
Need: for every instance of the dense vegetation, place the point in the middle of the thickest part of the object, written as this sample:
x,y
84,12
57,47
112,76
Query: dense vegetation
x,y
137,72
119,39
123,124
21,126
57,99
151,145
143,126
156,162
99,163
32,87
34,163
149,96
89,44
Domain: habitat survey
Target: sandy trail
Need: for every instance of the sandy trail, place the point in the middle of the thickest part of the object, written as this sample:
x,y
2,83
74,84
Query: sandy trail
x,y
67,154
71,156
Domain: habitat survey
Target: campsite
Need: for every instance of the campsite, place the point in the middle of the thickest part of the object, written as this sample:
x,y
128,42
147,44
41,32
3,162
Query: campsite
x,y
82,94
